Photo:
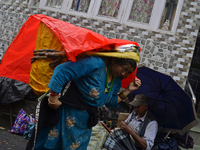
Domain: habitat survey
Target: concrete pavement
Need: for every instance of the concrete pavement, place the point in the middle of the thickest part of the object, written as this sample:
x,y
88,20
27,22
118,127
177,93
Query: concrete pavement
x,y
10,141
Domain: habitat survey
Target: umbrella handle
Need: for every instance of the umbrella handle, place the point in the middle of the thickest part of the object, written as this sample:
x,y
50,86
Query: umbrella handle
x,y
105,126
167,135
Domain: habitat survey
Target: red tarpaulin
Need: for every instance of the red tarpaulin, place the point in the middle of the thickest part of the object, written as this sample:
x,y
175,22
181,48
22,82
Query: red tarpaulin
x,y
75,40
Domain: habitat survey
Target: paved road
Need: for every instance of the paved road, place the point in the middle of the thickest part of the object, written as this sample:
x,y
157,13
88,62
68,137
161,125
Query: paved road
x,y
10,141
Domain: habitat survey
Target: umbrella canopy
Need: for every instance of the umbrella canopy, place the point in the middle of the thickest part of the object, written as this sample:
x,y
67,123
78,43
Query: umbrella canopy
x,y
169,103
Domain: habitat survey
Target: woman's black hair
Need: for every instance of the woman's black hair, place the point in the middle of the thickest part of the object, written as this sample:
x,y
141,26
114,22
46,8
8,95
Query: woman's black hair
x,y
122,61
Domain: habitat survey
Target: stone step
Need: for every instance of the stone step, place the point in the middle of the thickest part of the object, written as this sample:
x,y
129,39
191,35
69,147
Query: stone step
x,y
195,134
195,147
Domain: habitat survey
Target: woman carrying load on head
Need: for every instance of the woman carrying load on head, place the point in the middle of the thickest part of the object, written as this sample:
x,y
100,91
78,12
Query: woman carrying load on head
x,y
97,81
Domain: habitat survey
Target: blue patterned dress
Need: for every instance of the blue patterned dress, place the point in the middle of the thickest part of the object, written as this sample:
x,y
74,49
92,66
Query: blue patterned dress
x,y
72,133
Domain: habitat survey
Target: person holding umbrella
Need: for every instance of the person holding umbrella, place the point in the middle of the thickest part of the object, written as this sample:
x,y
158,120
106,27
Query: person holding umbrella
x,y
138,131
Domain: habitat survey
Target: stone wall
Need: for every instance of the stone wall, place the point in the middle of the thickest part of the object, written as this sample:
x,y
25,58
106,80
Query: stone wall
x,y
166,52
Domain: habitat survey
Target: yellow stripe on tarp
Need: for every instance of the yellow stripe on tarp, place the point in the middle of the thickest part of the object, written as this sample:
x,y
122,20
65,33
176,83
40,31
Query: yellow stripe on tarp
x,y
41,73
128,55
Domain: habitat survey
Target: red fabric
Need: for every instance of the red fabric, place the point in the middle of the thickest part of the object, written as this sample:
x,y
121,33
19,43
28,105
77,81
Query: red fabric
x,y
16,62
130,78
75,40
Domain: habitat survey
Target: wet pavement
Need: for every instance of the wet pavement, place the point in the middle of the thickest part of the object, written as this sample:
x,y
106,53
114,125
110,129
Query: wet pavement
x,y
10,141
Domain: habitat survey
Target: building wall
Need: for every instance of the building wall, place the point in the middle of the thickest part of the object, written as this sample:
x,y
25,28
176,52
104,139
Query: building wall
x,y
168,53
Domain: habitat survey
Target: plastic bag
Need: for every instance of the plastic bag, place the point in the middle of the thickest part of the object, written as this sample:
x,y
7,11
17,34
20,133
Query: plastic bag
x,y
29,130
162,143
169,144
21,122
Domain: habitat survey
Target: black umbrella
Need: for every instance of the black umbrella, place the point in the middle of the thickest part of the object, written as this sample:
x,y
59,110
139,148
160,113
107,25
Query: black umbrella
x,y
170,104
119,140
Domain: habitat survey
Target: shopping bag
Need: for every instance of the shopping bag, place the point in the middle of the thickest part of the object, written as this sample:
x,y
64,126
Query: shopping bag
x,y
21,122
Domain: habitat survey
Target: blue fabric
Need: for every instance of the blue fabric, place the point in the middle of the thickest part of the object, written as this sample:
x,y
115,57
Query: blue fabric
x,y
29,131
69,133
72,131
77,6
89,74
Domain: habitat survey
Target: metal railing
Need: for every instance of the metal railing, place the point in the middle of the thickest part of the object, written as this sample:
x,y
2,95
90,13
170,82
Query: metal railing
x,y
192,93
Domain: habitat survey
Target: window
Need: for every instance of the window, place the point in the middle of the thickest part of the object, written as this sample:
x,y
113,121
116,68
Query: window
x,y
141,11
54,5
152,17
7,1
159,15
34,3
110,10
168,15
17,1
80,7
